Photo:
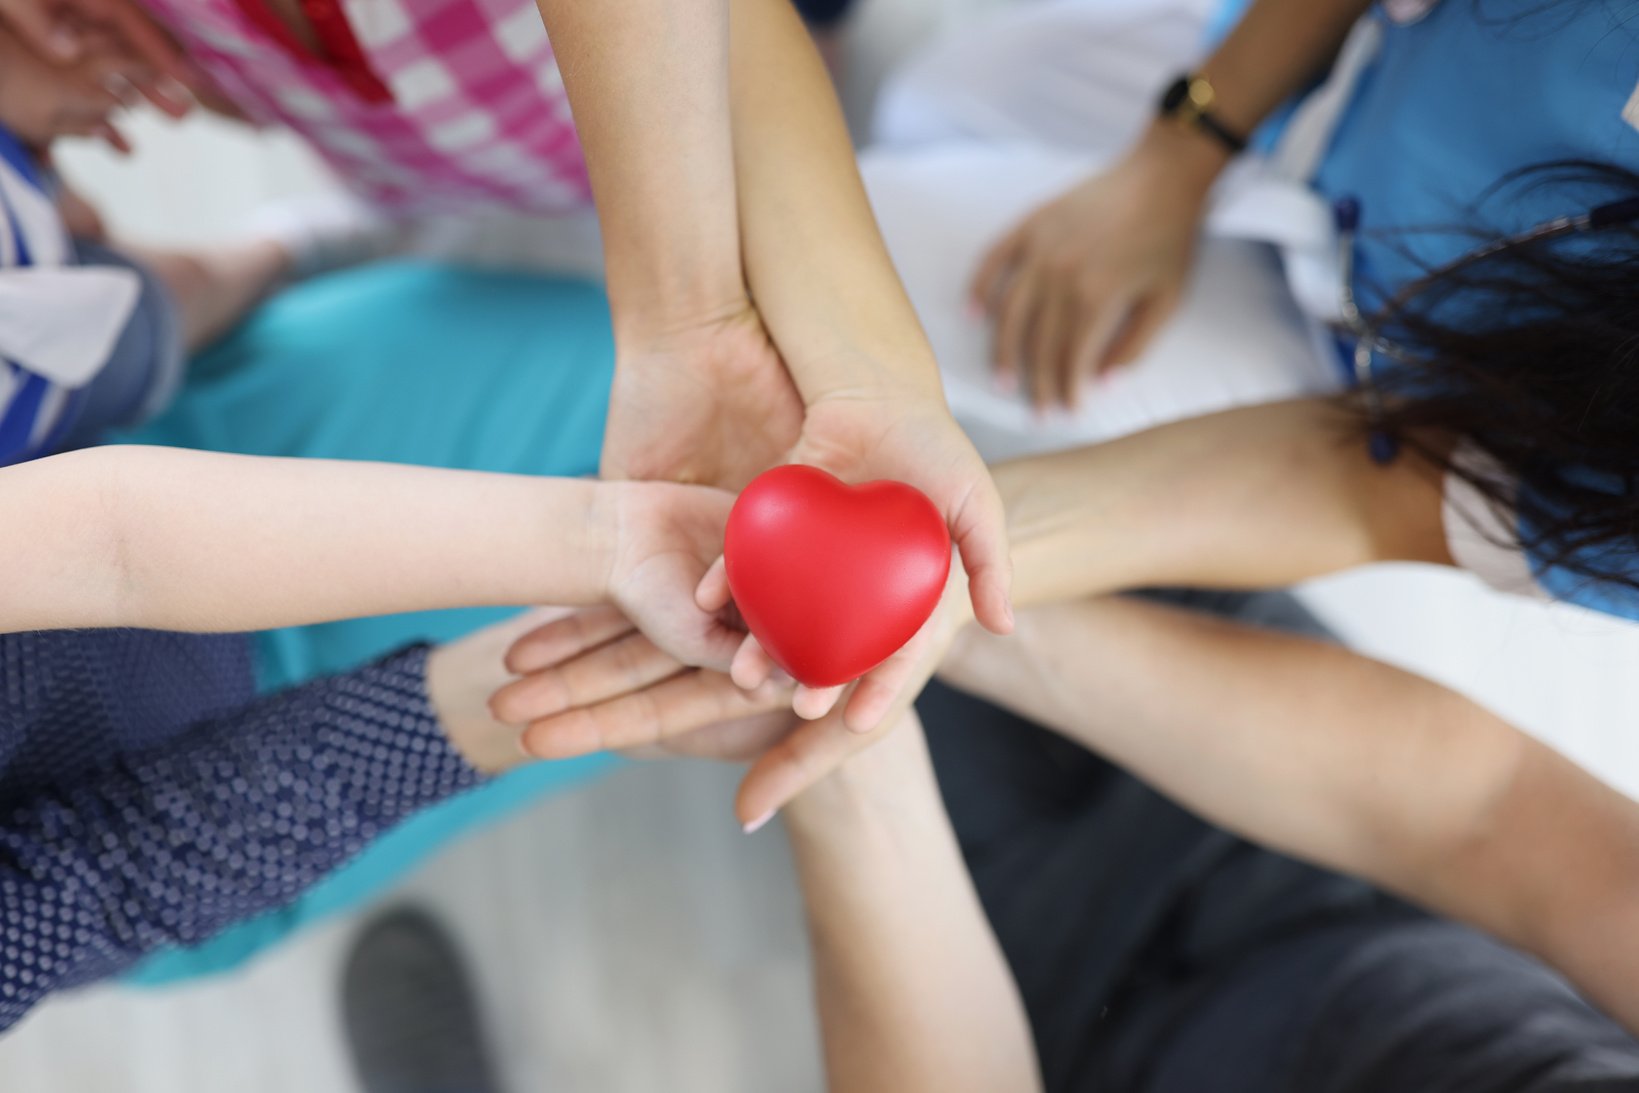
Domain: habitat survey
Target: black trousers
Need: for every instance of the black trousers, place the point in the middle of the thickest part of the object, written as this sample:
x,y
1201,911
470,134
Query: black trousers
x,y
1157,952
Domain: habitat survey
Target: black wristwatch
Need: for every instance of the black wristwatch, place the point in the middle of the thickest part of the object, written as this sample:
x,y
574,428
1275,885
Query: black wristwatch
x,y
1188,100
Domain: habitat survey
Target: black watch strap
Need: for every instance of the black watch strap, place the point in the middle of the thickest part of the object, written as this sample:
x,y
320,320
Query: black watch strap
x,y
1188,100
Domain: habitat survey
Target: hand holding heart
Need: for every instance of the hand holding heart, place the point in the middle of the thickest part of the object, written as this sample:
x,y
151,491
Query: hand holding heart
x,y
837,580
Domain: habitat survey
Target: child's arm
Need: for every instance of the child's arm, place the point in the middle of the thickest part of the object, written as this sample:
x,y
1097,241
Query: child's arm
x,y
178,540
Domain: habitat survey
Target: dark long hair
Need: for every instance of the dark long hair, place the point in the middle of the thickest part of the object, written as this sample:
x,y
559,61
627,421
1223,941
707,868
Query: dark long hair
x,y
1532,355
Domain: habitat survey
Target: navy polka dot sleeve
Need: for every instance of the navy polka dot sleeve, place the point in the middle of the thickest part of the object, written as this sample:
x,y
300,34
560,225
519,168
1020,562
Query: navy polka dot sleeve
x,y
165,844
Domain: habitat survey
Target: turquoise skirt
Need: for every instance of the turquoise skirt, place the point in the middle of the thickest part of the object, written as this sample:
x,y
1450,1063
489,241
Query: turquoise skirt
x,y
403,363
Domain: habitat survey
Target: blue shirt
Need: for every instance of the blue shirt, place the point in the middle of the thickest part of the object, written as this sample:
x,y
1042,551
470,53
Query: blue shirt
x,y
1450,106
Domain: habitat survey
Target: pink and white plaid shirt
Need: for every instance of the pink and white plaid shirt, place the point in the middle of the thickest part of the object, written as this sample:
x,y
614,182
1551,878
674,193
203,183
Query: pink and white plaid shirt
x,y
478,116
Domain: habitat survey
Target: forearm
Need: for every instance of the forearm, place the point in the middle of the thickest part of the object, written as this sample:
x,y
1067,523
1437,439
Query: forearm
x,y
913,990
648,82
1343,761
1272,54
815,260
168,539
1259,497
230,819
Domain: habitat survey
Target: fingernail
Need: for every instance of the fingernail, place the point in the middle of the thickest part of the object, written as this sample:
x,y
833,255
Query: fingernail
x,y
1005,383
757,825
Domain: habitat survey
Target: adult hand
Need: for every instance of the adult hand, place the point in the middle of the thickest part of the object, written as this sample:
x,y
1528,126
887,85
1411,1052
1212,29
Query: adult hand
x,y
42,100
1085,281
860,439
717,404
590,681
70,31
711,404
596,685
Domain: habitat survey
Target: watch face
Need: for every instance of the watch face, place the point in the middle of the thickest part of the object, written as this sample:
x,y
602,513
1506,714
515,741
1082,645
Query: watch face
x,y
1174,96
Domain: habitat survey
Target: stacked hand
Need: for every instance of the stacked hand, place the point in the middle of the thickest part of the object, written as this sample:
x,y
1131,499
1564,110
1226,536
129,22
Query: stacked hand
x,y
592,683
715,402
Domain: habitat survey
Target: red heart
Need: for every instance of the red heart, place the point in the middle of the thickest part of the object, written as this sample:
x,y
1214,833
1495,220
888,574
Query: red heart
x,y
832,578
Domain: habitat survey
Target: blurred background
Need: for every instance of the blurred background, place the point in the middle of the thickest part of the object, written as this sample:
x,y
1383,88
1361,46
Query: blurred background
x,y
627,937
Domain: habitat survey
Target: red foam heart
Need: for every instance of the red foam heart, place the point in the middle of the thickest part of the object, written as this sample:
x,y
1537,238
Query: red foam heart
x,y
832,578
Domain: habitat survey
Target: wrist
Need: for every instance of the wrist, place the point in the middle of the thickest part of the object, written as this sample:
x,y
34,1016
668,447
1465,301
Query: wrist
x,y
886,787
1180,158
460,679
661,305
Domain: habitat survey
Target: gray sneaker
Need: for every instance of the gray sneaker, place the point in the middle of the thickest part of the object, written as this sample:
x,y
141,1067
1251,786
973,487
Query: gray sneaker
x,y
411,1016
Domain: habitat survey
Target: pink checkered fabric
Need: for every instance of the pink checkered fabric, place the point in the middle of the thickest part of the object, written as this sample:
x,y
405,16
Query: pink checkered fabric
x,y
479,117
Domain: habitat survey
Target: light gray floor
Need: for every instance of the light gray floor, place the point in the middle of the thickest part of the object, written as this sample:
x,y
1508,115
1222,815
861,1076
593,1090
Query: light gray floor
x,y
626,937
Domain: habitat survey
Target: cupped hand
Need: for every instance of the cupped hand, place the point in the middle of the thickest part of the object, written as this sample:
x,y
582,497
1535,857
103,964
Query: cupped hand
x,y
591,682
712,403
916,441
70,32
1083,283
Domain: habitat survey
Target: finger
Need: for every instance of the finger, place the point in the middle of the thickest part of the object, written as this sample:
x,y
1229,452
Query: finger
x,y
994,269
566,637
732,740
1094,342
155,46
1048,347
1143,324
167,95
874,696
1013,318
688,701
626,664
752,666
113,138
808,753
979,529
712,594
42,26
813,703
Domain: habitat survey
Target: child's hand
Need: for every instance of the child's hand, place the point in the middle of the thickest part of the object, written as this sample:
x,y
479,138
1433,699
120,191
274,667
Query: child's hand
x,y
41,100
664,536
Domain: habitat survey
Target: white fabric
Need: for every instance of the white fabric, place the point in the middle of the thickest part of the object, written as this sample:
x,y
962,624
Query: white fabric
x,y
56,320
990,123
1237,339
1480,534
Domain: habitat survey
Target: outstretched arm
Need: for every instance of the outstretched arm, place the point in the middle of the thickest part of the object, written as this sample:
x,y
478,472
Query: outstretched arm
x,y
177,540
1258,497
833,303
1343,761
